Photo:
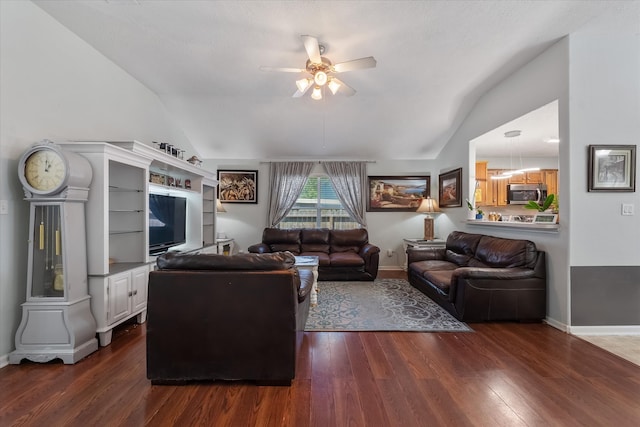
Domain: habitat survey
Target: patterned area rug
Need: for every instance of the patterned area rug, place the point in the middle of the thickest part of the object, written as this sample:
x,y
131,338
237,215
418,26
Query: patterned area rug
x,y
382,305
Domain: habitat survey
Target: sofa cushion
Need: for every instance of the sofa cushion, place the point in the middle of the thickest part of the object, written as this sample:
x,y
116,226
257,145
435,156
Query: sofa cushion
x,y
274,261
323,257
506,253
463,243
348,240
282,240
441,279
473,262
314,240
458,259
432,264
346,259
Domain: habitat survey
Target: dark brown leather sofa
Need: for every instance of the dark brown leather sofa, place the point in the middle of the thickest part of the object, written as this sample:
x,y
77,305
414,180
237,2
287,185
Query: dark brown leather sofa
x,y
482,278
342,254
215,317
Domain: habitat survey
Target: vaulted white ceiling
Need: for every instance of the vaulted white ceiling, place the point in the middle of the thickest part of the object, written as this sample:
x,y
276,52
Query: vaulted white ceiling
x,y
434,59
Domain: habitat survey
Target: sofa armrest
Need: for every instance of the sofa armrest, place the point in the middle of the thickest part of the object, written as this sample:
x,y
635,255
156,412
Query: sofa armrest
x,y
367,250
485,279
425,254
259,248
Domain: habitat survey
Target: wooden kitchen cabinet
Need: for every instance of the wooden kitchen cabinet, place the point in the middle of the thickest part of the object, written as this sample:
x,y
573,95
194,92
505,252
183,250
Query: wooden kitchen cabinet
x,y
483,184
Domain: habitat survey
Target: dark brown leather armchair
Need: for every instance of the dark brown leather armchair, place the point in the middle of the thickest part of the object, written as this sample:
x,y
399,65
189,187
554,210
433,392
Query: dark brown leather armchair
x,y
342,254
479,278
214,317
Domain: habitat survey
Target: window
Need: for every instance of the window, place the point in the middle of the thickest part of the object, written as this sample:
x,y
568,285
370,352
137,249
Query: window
x,y
318,206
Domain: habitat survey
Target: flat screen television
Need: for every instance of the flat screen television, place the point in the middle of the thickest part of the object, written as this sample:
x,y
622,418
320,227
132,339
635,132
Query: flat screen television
x,y
167,222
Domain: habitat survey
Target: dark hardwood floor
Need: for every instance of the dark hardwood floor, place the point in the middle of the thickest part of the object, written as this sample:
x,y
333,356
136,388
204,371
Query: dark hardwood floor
x,y
503,374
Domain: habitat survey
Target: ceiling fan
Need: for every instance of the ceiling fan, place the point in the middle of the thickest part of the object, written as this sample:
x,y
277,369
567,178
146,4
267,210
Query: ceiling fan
x,y
323,71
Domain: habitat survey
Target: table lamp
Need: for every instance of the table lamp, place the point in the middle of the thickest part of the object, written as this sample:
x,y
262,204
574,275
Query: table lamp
x,y
428,206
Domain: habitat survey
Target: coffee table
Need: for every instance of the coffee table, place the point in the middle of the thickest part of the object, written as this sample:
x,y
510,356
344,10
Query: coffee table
x,y
310,263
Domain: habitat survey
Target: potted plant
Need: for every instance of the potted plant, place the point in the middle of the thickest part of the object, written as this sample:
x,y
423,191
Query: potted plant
x,y
541,207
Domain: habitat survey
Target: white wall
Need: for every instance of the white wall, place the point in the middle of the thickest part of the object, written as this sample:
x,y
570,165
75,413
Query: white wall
x,y
55,86
245,222
607,113
536,84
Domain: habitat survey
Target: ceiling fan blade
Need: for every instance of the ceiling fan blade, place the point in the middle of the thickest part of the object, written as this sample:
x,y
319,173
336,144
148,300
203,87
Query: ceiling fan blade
x,y
345,88
283,69
356,64
313,48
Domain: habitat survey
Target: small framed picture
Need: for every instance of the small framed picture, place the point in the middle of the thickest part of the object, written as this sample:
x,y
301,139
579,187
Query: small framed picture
x,y
450,188
238,186
545,218
612,168
157,178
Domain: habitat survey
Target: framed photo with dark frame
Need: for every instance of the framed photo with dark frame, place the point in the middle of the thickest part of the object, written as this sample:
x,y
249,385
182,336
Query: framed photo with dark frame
x,y
612,168
450,189
237,186
397,193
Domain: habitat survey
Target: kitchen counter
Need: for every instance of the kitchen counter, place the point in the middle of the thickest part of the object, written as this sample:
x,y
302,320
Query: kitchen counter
x,y
530,226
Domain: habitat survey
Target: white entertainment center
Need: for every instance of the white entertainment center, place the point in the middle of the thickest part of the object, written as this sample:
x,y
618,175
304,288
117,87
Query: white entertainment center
x,y
117,221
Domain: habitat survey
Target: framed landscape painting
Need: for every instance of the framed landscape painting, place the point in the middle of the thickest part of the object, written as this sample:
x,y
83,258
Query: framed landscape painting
x,y
612,168
237,186
397,193
450,189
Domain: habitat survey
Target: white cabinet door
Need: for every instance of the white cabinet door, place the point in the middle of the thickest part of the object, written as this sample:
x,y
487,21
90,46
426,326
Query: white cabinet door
x,y
139,281
119,301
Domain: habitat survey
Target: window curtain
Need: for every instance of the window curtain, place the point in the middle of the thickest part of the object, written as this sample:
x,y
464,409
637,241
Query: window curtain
x,y
349,179
287,181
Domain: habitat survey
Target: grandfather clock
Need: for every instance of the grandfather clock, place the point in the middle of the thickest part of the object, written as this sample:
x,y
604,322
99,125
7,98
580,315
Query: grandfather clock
x,y
56,317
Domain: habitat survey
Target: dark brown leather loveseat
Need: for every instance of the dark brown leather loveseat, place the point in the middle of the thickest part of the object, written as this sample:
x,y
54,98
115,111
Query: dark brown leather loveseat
x,y
342,254
215,317
479,278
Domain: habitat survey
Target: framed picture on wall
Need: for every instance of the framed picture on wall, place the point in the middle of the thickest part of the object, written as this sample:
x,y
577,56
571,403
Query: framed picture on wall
x,y
612,168
237,186
450,189
397,193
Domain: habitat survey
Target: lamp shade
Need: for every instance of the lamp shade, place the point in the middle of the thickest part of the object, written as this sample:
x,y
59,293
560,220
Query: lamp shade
x,y
219,207
428,205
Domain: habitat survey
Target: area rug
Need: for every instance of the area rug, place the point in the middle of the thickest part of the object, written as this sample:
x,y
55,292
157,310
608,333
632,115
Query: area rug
x,y
381,305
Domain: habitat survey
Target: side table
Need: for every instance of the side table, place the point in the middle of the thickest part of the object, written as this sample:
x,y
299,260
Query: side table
x,y
225,246
420,244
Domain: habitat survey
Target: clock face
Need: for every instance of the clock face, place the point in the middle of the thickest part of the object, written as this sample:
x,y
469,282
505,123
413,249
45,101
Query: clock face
x,y
45,170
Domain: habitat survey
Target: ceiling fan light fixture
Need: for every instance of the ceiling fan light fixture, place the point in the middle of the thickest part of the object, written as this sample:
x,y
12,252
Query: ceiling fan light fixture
x,y
303,84
320,77
334,86
317,93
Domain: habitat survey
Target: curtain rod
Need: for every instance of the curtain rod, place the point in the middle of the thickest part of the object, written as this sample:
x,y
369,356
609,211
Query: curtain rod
x,y
317,161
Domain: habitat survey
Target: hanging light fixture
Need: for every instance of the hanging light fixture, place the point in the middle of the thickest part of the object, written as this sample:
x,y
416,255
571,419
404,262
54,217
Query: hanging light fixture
x,y
303,84
333,86
320,77
317,93
511,172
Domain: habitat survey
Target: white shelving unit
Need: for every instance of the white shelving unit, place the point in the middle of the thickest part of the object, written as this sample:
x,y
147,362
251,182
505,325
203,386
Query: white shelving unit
x,y
118,223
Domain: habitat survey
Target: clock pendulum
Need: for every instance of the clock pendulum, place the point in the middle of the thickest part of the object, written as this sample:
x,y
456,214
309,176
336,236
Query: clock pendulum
x,y
56,317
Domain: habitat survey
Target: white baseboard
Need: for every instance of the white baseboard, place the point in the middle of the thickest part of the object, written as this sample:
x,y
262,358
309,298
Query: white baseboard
x,y
558,325
4,361
390,267
605,330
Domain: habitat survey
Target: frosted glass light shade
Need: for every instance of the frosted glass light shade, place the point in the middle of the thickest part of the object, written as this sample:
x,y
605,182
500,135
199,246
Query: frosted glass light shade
x,y
317,93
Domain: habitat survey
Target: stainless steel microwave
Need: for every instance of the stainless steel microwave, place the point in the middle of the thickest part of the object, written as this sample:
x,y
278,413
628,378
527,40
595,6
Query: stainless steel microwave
x,y
520,194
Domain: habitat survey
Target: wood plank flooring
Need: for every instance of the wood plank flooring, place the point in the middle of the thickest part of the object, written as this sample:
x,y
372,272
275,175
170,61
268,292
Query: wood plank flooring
x,y
503,374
